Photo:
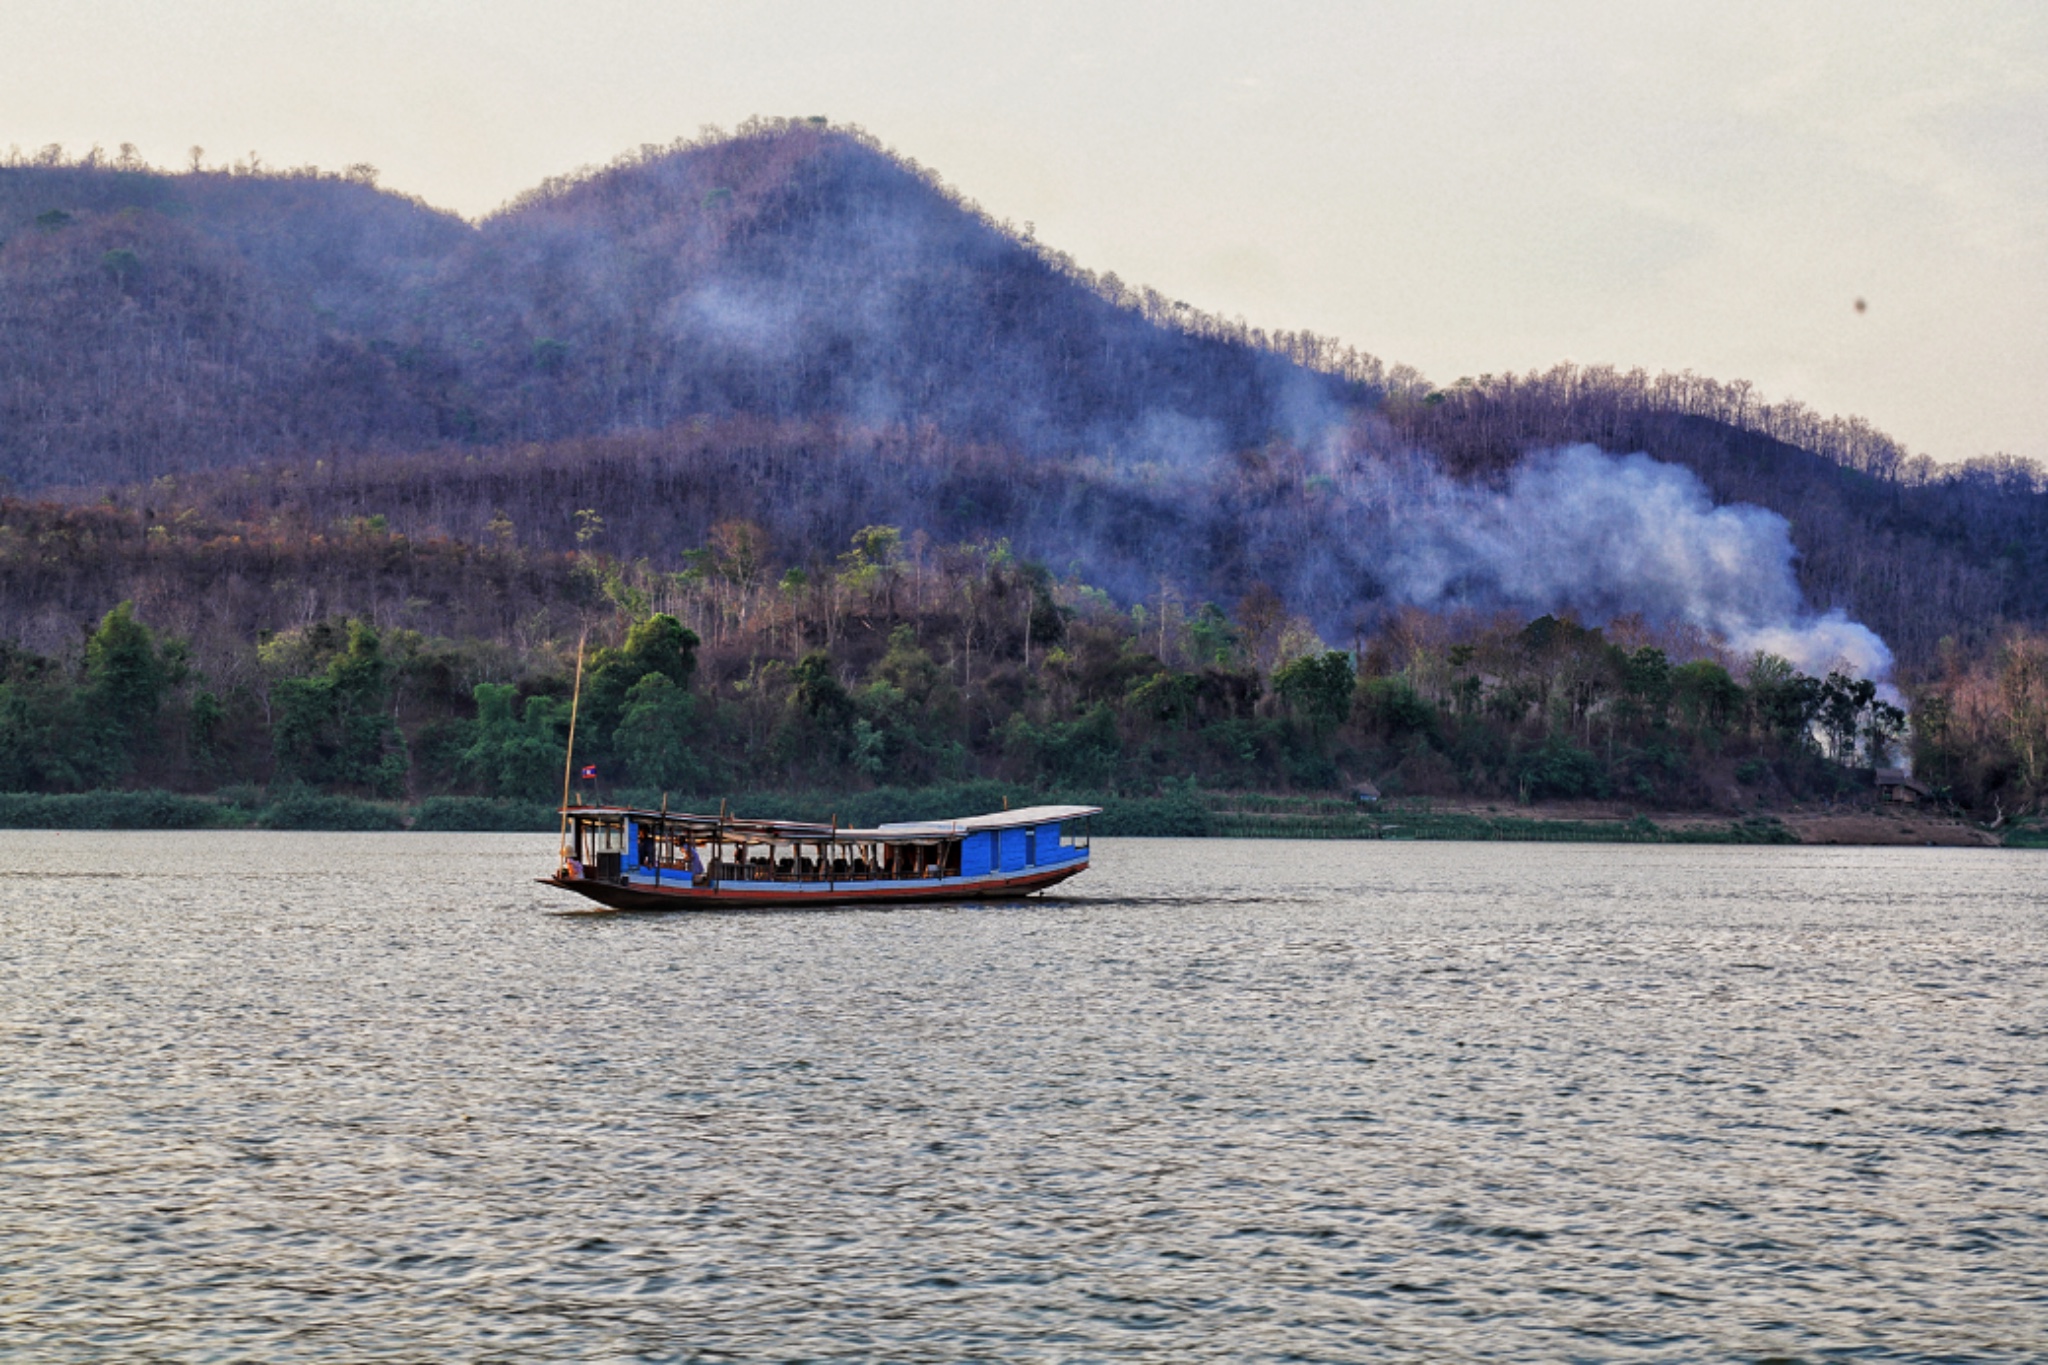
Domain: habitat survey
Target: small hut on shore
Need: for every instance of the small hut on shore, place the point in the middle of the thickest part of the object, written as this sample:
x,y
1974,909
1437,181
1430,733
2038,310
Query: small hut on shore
x,y
1898,786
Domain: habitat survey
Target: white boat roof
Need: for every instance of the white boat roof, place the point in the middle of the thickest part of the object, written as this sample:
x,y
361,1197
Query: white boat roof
x,y
1002,819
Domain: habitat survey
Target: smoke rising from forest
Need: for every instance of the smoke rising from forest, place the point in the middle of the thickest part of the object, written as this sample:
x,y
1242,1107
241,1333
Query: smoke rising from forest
x,y
1602,536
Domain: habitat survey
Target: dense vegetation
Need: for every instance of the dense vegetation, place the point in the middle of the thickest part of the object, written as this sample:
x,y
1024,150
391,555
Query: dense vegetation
x,y
897,662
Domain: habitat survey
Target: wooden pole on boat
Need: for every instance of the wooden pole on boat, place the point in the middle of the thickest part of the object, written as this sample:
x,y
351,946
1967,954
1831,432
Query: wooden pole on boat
x,y
569,756
660,841
718,845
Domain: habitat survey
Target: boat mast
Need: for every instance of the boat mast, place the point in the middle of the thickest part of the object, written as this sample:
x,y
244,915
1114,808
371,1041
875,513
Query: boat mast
x,y
569,755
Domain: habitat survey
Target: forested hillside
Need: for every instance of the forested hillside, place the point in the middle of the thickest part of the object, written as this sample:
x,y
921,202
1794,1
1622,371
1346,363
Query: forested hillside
x,y
358,661
895,660
1956,557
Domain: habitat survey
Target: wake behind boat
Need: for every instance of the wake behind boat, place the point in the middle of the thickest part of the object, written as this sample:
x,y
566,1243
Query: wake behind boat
x,y
632,859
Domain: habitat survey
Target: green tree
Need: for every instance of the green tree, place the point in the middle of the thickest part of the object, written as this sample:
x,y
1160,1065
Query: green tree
x,y
128,673
1392,707
820,693
521,756
28,761
1083,752
122,266
909,667
331,729
659,737
1843,704
1171,699
1317,688
1645,684
659,644
203,724
1783,700
1210,637
1708,701
1884,726
869,752
1937,756
1560,768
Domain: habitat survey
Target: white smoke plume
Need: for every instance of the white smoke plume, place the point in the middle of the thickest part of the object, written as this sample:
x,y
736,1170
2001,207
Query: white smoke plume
x,y
1603,536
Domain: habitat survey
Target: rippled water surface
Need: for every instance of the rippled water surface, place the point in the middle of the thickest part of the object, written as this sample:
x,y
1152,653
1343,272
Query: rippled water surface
x,y
370,1097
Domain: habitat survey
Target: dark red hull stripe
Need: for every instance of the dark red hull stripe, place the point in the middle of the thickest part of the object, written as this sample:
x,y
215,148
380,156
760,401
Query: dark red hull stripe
x,y
735,895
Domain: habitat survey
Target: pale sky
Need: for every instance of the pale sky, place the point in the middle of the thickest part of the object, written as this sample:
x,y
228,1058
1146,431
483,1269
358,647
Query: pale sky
x,y
1465,187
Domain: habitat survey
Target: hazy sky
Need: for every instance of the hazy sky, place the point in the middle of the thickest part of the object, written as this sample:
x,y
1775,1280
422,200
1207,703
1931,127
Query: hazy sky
x,y
1466,187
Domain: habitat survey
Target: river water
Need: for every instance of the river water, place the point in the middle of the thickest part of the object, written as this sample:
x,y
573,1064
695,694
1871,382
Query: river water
x,y
373,1097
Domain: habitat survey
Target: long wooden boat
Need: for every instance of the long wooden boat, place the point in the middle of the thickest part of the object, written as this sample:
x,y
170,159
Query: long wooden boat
x,y
632,859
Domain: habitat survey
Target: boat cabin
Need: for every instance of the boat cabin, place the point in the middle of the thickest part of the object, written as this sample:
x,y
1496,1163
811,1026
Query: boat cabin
x,y
675,850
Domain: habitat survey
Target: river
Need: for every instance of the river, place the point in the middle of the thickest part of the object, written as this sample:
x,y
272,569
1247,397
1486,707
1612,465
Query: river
x,y
271,1096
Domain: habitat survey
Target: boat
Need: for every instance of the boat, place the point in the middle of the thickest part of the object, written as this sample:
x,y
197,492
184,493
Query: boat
x,y
630,859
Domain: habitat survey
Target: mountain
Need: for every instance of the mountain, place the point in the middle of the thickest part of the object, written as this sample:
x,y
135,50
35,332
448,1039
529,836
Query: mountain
x,y
153,323
793,328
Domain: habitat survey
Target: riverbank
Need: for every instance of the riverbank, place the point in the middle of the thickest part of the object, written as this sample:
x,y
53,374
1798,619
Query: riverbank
x,y
250,810
1181,812
1605,822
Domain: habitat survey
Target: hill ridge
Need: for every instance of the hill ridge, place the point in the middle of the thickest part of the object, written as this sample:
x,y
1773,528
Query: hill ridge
x,y
165,322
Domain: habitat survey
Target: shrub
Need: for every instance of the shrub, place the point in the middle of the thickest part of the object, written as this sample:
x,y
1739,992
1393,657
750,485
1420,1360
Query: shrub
x,y
1177,812
106,810
316,810
455,814
1562,769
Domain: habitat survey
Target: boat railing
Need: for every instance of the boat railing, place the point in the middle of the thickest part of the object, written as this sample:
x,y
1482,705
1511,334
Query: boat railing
x,y
811,870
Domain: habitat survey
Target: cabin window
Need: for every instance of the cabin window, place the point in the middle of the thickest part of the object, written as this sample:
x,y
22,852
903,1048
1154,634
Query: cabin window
x,y
666,849
1056,842
599,836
